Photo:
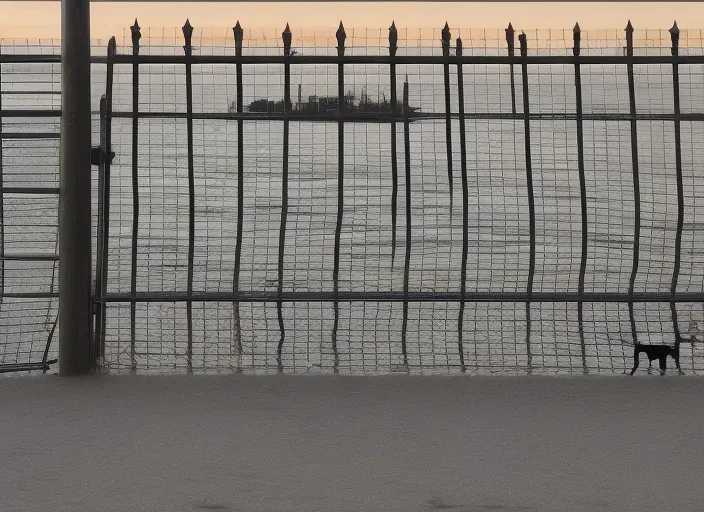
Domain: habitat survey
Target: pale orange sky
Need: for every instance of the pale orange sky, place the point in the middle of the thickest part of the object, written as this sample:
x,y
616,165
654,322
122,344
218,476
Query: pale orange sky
x,y
42,19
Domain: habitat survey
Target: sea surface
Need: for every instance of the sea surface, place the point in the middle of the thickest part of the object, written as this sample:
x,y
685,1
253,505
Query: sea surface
x,y
496,338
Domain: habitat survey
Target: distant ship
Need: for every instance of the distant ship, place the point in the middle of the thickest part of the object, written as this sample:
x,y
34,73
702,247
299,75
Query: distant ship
x,y
365,110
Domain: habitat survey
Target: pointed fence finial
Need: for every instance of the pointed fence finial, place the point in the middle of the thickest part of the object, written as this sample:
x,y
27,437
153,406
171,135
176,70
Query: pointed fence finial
x,y
675,36
341,36
393,39
577,35
286,36
523,42
446,40
187,34
629,39
239,37
459,47
136,36
510,39
112,47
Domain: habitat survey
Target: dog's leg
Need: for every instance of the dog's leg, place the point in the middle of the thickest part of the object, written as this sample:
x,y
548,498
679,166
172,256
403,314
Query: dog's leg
x,y
676,357
636,353
663,364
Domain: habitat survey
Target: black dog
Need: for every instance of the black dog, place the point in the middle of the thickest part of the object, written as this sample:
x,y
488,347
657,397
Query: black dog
x,y
659,352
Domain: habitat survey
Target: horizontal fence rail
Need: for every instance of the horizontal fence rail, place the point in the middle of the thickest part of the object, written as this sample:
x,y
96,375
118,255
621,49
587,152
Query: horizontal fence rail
x,y
372,59
546,215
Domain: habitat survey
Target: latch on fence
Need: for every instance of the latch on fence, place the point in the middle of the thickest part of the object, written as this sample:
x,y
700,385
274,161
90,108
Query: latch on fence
x,y
97,152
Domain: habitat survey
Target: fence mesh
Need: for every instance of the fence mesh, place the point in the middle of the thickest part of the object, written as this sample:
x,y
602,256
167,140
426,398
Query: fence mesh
x,y
370,337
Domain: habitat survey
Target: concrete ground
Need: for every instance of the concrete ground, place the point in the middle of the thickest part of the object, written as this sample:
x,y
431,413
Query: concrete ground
x,y
398,443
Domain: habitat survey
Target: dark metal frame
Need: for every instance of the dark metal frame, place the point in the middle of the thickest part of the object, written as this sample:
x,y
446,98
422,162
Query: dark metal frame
x,y
392,60
447,60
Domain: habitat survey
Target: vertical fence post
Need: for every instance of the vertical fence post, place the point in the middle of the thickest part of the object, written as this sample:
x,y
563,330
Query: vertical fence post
x,y
465,205
340,35
675,36
393,47
104,203
636,179
112,51
510,41
448,120
286,36
136,35
529,184
188,50
582,193
239,36
407,265
100,237
75,262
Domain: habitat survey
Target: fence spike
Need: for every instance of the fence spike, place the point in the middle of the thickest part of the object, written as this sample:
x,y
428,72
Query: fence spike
x,y
393,39
446,40
459,47
187,34
286,36
675,36
522,40
239,37
112,47
341,36
577,37
136,36
629,39
448,117
510,40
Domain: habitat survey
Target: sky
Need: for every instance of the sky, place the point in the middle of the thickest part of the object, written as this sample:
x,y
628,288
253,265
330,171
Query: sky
x,y
38,19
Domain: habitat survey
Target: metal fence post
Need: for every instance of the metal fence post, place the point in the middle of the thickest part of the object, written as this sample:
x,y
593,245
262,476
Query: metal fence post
x,y
531,198
636,179
286,37
188,49
675,36
239,36
75,262
99,307
448,120
340,35
136,36
407,262
105,199
510,41
582,193
393,47
465,205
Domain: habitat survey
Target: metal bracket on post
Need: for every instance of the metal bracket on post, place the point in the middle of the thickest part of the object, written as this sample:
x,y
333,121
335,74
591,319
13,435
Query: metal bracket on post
x,y
98,155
